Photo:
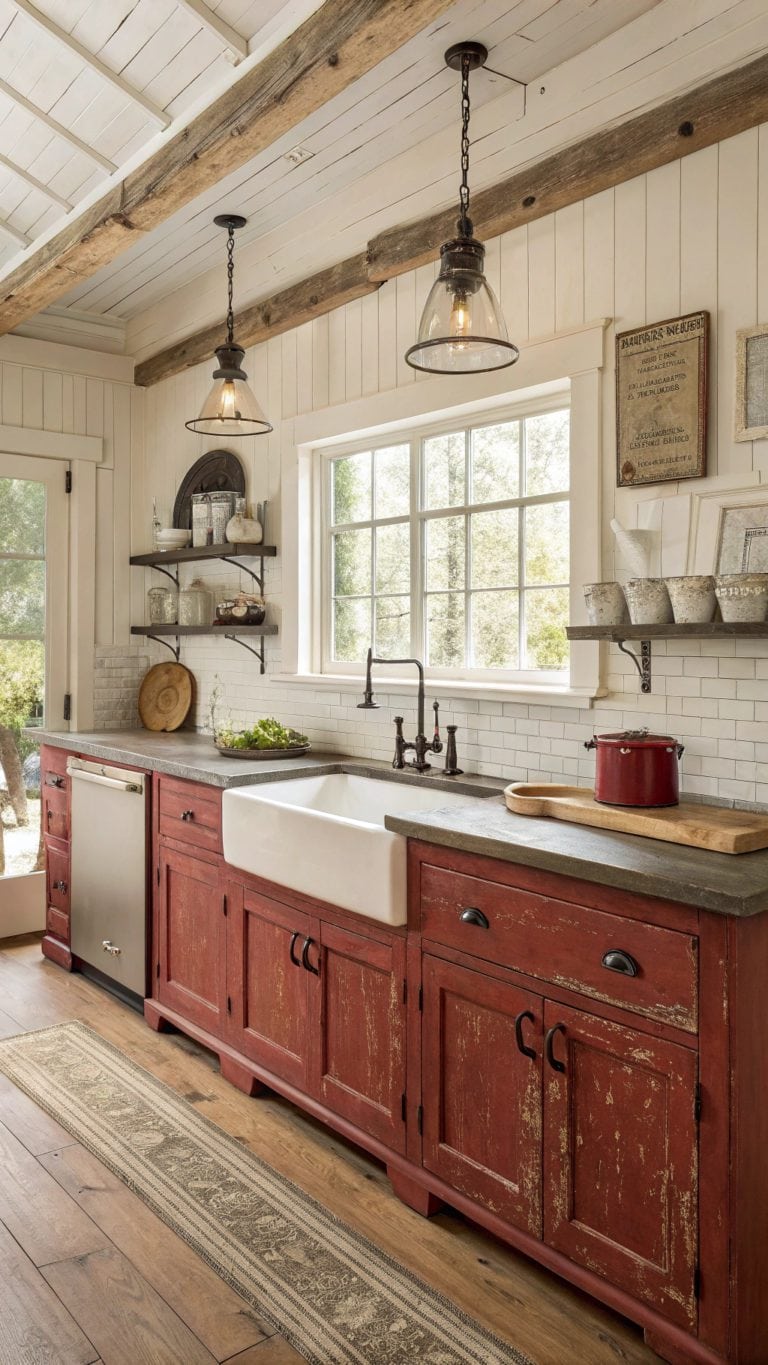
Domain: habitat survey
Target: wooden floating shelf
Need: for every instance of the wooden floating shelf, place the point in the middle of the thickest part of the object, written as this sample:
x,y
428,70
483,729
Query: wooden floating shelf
x,y
230,627
711,630
192,552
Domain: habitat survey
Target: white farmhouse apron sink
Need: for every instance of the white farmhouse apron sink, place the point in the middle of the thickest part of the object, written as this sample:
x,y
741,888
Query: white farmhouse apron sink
x,y
325,836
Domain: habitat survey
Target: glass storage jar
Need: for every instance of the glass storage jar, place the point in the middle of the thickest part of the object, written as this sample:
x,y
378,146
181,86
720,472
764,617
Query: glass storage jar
x,y
196,605
163,604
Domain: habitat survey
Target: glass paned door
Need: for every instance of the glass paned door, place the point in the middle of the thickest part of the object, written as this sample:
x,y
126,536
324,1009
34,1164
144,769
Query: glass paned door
x,y
33,670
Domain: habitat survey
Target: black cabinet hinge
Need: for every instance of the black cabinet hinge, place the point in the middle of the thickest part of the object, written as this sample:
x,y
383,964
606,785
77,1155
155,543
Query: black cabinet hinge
x,y
405,992
224,904
420,1118
697,1102
157,970
229,1004
697,1282
158,874
402,1106
421,998
67,480
67,705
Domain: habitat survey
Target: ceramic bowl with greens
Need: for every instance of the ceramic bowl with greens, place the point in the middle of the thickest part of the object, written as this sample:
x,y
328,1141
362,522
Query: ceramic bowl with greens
x,y
266,739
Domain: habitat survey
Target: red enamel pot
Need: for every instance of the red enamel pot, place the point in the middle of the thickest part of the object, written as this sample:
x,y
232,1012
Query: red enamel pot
x,y
635,768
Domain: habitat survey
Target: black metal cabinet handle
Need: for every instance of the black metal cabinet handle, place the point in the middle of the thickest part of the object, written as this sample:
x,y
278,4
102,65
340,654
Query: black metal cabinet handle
x,y
60,886
473,916
521,1045
53,781
294,960
549,1047
616,960
306,964
187,815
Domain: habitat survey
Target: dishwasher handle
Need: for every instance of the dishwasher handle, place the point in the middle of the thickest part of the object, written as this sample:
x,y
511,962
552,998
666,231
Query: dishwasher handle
x,y
79,775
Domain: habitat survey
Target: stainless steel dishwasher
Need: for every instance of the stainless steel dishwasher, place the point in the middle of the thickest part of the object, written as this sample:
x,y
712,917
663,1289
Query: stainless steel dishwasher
x,y
109,871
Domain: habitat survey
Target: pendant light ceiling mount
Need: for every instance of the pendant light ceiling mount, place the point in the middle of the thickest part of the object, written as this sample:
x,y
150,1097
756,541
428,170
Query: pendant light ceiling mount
x,y
462,329
231,408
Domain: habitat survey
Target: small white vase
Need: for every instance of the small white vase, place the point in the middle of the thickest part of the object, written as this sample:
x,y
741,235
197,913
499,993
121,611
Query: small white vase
x,y
742,596
244,530
648,602
605,604
693,598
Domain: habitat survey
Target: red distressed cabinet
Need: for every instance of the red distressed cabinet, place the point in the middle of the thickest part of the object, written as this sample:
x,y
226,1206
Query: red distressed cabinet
x,y
481,1089
190,940
621,1157
360,1066
268,985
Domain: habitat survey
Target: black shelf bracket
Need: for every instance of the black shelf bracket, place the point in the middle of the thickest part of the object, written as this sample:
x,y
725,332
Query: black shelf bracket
x,y
175,649
642,662
259,653
174,577
238,564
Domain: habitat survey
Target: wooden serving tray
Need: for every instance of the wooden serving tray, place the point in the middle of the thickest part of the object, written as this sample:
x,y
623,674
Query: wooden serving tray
x,y
718,829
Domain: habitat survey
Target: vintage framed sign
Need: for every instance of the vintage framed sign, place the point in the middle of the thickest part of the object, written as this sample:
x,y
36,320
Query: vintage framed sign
x,y
661,400
752,383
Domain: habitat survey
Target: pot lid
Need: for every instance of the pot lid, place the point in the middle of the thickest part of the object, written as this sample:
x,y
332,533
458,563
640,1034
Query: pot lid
x,y
639,738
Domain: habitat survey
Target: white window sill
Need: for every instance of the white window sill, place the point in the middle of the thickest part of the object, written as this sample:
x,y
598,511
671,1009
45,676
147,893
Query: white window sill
x,y
523,693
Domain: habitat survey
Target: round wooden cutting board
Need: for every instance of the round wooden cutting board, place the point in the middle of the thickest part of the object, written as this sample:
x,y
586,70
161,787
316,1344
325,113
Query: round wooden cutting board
x,y
165,697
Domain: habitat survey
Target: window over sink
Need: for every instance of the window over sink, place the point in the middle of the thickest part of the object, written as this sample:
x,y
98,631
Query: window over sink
x,y
450,543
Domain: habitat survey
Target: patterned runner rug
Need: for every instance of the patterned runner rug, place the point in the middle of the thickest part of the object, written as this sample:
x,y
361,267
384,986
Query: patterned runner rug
x,y
330,1292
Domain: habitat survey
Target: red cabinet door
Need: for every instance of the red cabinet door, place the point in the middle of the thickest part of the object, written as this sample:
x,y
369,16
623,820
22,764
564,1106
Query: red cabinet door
x,y
359,1061
268,985
620,1157
191,946
481,1094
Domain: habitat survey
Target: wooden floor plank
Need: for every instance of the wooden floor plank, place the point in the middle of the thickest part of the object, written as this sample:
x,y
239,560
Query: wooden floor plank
x,y
276,1351
34,1325
35,1129
47,1224
9,1027
128,1323
223,1321
511,1295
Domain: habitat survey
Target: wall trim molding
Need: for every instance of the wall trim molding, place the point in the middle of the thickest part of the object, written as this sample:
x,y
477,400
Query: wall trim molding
x,y
51,445
66,359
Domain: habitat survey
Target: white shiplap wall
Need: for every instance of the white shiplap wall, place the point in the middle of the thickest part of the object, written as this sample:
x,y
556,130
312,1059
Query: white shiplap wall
x,y
63,389
688,236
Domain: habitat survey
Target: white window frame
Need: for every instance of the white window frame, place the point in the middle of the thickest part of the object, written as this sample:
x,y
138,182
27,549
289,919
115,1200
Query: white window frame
x,y
548,365
417,517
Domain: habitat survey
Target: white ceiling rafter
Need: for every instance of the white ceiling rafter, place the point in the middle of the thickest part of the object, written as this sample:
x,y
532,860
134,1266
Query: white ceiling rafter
x,y
90,59
34,183
20,237
57,128
234,45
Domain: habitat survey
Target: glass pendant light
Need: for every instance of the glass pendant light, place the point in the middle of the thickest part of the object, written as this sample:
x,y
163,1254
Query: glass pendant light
x,y
462,330
231,408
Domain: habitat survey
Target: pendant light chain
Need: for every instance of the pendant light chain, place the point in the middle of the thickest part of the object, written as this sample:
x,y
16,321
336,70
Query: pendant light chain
x,y
465,225
230,284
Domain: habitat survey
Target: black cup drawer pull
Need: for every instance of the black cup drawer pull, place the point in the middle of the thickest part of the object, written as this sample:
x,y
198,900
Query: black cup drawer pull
x,y
549,1047
187,815
521,1045
60,886
473,916
616,960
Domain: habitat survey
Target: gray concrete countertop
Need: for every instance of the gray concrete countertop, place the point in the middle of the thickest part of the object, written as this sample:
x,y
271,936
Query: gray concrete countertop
x,y
192,756
728,884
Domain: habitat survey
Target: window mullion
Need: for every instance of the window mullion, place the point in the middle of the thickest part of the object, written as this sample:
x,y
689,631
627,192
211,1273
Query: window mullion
x,y
521,549
418,633
467,550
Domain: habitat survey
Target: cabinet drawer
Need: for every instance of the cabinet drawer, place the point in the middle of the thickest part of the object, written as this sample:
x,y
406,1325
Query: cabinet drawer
x,y
565,944
57,875
190,813
55,794
56,922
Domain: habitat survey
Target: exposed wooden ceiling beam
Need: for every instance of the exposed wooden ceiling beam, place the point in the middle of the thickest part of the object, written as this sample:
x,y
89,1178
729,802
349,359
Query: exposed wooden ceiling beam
x,y
234,44
112,78
706,115
329,289
337,45
55,127
724,106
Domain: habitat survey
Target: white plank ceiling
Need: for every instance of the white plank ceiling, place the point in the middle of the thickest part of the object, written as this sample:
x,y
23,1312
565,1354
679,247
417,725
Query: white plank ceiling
x,y
87,86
